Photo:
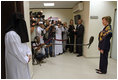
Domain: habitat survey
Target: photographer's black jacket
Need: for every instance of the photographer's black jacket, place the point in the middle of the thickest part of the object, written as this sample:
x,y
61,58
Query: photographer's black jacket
x,y
71,30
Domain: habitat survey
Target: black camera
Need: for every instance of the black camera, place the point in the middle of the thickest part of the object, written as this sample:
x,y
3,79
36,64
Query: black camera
x,y
33,21
35,17
42,33
39,15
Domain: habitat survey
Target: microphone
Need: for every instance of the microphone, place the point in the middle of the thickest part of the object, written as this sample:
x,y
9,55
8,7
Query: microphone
x,y
91,41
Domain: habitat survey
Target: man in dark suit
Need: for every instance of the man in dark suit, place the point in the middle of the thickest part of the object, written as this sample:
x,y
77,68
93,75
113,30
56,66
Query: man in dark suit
x,y
79,37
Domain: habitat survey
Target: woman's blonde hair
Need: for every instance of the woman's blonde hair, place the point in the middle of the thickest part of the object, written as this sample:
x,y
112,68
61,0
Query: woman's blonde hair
x,y
107,18
71,20
65,23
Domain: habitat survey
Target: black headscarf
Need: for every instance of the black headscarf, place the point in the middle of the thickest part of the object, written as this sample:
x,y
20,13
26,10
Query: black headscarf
x,y
18,24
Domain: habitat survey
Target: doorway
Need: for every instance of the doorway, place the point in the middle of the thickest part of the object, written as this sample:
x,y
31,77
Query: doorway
x,y
114,38
7,8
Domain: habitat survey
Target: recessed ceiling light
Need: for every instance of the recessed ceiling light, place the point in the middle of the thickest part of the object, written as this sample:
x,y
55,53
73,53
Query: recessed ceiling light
x,y
48,4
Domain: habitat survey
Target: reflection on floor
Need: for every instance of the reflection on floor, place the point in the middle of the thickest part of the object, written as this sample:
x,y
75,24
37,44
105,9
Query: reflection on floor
x,y
68,66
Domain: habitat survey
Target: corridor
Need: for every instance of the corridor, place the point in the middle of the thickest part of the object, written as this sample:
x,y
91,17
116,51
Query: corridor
x,y
63,21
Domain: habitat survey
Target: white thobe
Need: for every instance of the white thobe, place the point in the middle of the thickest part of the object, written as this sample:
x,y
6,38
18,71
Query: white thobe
x,y
39,30
16,59
65,30
33,34
58,48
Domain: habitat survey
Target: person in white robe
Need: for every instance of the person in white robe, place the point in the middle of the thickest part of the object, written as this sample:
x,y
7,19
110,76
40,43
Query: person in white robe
x,y
16,57
65,37
58,48
40,31
17,52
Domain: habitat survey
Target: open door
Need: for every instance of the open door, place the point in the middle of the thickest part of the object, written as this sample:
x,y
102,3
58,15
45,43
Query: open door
x,y
7,8
114,38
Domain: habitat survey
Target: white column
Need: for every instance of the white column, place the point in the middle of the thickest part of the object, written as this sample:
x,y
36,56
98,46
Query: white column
x,y
27,19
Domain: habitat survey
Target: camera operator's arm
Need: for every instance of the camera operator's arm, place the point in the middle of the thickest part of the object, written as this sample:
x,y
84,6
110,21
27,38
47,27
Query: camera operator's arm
x,y
48,27
48,45
39,46
42,44
32,30
32,27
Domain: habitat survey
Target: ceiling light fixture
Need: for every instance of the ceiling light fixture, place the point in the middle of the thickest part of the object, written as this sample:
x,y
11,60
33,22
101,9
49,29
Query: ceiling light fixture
x,y
48,4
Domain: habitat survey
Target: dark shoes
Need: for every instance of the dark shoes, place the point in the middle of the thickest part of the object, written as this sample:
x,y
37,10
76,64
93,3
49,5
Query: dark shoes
x,y
99,72
60,53
97,69
79,55
75,53
70,52
47,56
64,51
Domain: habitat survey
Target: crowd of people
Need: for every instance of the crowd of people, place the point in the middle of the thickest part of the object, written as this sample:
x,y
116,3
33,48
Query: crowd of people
x,y
55,37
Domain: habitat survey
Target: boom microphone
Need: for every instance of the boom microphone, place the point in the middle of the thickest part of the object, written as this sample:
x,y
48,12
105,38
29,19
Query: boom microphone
x,y
91,41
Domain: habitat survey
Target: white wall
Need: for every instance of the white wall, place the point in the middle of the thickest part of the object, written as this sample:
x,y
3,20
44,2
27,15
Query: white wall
x,y
100,9
114,39
27,19
94,26
64,14
85,17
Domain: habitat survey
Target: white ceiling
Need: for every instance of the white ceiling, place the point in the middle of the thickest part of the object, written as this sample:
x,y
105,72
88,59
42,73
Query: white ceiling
x,y
58,4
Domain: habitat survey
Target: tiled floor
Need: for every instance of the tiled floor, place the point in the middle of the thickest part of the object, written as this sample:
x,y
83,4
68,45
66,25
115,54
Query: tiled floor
x,y
68,66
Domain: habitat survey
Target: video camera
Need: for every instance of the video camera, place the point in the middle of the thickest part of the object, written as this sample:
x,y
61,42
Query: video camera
x,y
35,17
